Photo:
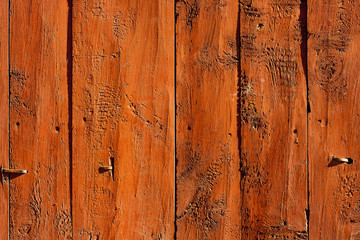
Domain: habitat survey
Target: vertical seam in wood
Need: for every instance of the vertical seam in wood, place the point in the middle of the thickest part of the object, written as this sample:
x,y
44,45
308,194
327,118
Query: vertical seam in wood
x,y
8,58
70,101
238,46
304,57
175,130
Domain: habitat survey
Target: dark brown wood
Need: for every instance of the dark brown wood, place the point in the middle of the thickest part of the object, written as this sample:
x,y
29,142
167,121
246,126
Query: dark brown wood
x,y
123,116
4,117
334,119
273,120
208,194
39,137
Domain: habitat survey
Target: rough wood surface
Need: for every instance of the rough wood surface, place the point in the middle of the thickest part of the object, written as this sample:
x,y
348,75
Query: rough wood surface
x,y
266,94
123,112
273,119
4,117
39,200
334,119
208,194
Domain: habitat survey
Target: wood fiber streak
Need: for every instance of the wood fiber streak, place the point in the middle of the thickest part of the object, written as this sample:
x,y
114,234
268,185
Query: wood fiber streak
x,y
123,112
207,154
334,119
39,200
4,117
272,99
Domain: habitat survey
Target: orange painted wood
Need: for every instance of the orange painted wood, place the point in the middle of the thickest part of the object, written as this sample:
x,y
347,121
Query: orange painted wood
x,y
208,193
123,113
334,119
266,93
39,200
273,120
4,117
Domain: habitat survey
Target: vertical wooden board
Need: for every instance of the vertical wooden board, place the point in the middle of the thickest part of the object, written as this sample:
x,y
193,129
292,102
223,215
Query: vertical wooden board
x,y
334,119
123,111
40,200
273,119
4,117
208,194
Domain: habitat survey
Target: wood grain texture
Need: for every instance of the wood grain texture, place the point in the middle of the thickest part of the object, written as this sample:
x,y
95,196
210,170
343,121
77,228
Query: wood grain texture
x,y
334,119
273,120
123,112
4,117
39,200
207,168
266,94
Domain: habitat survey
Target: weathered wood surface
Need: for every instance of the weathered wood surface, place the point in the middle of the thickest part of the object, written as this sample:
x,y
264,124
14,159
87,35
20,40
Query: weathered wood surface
x,y
208,194
39,200
266,94
273,119
123,112
4,117
334,119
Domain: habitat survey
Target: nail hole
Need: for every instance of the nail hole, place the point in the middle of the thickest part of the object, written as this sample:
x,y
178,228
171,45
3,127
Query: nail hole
x,y
230,134
17,123
295,130
189,128
57,129
84,119
319,121
260,26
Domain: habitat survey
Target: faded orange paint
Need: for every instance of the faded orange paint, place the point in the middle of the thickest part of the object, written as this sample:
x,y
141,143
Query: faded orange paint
x,y
4,118
207,179
265,95
123,111
334,119
273,117
40,204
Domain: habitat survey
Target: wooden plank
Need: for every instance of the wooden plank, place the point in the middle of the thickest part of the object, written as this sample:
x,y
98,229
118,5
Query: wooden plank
x,y
207,168
273,119
123,112
39,200
4,117
334,118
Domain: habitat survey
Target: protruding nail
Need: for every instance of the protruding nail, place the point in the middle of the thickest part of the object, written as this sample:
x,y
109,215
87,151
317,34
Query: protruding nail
x,y
345,160
14,171
106,168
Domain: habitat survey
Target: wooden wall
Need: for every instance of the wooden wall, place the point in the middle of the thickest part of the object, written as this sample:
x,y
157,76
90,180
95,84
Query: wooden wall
x,y
219,119
273,119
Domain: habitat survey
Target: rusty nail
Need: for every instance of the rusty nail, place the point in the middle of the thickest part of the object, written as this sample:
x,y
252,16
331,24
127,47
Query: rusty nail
x,y
345,160
106,168
14,171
